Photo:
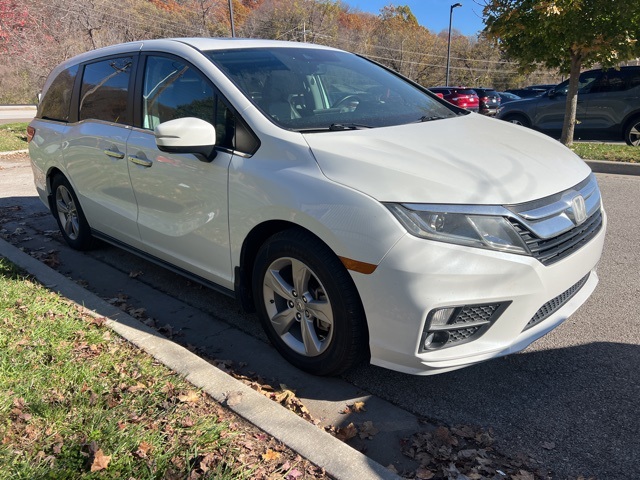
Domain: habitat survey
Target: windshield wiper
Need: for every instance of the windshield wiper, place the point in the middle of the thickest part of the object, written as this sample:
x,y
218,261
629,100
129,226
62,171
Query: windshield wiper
x,y
428,118
348,126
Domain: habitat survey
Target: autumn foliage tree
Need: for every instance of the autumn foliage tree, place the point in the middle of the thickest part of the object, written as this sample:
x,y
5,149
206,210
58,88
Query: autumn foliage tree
x,y
567,35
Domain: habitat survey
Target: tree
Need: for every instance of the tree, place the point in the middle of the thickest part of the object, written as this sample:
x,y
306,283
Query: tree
x,y
566,35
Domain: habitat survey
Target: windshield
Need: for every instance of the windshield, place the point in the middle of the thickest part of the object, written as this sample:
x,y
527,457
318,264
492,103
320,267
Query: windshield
x,y
314,89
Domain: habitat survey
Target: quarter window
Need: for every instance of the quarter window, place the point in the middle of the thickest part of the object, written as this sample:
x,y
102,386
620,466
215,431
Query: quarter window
x,y
55,104
105,90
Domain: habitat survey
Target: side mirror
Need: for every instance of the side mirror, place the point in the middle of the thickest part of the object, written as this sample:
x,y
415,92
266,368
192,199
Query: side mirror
x,y
187,135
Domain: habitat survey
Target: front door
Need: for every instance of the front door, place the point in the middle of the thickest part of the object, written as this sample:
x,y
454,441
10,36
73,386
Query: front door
x,y
182,200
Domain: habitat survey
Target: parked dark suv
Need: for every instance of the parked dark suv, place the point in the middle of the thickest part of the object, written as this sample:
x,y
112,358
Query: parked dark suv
x,y
608,107
489,100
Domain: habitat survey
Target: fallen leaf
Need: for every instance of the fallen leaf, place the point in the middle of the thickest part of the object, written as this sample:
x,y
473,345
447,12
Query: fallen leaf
x,y
190,397
548,445
234,398
143,450
358,407
136,388
135,274
346,433
367,430
523,475
100,461
137,312
270,455
424,474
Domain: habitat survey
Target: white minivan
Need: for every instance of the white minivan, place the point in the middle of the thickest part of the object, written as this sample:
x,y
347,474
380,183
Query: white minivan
x,y
361,216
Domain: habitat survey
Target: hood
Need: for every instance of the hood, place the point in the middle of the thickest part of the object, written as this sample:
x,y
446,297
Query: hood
x,y
464,160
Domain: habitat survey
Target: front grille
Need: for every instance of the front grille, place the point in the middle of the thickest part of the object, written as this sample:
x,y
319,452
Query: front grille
x,y
551,250
552,305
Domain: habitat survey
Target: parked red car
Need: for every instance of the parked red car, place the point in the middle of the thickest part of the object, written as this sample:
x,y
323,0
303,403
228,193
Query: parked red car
x,y
459,96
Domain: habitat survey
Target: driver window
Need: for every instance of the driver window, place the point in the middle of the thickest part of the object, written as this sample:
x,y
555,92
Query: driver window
x,y
586,82
173,89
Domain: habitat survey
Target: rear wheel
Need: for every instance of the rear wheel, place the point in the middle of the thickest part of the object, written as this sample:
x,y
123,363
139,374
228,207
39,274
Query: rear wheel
x,y
69,215
518,120
632,132
308,304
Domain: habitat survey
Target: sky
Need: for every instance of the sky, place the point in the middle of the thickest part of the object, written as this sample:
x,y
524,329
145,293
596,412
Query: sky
x,y
433,14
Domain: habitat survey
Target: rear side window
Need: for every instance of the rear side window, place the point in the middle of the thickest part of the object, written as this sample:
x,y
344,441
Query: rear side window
x,y
609,81
105,90
57,99
633,77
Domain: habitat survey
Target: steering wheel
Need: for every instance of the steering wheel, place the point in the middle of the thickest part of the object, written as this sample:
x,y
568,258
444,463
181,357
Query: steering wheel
x,y
342,103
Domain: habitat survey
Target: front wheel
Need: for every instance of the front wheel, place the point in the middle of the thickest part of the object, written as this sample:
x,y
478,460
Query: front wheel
x,y
308,304
69,215
632,132
518,120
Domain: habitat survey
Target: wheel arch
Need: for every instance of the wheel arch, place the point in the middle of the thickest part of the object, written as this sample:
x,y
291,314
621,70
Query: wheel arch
x,y
243,275
632,117
51,174
516,113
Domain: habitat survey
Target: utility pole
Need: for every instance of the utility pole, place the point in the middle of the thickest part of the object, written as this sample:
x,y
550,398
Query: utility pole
x,y
233,28
455,5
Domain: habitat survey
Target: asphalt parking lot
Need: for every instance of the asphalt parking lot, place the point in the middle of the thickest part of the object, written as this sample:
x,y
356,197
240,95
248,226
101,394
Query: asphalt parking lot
x,y
569,401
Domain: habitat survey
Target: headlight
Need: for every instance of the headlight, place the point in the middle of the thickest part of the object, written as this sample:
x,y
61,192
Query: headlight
x,y
473,228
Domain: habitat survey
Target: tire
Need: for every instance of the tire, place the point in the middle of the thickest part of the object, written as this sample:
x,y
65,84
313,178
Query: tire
x,y
308,304
632,132
518,120
68,213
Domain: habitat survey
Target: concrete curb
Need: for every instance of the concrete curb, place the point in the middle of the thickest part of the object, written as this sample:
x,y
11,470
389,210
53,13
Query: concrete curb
x,y
13,152
619,168
338,459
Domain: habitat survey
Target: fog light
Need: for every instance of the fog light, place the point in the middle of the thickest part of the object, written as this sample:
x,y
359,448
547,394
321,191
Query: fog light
x,y
436,340
441,317
450,326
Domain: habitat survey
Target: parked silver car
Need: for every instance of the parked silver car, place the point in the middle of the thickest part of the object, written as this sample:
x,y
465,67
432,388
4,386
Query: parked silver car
x,y
608,107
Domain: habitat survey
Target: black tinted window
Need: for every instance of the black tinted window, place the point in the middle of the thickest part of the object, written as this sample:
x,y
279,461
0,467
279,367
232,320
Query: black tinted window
x,y
609,81
633,77
105,90
55,104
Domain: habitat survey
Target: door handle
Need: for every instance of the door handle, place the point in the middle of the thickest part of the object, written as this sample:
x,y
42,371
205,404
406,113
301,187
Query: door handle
x,y
143,162
114,154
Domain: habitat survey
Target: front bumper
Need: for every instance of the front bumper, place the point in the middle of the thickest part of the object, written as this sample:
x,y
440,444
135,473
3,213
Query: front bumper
x,y
418,276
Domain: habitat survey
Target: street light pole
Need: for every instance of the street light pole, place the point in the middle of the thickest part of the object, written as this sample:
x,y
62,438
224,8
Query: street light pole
x,y
455,5
233,28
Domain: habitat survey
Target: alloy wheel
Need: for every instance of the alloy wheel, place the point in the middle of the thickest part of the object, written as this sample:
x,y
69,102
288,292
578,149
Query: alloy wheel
x,y
298,307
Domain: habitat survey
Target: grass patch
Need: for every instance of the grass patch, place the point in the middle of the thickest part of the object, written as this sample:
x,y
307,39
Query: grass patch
x,y
612,153
13,136
77,401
